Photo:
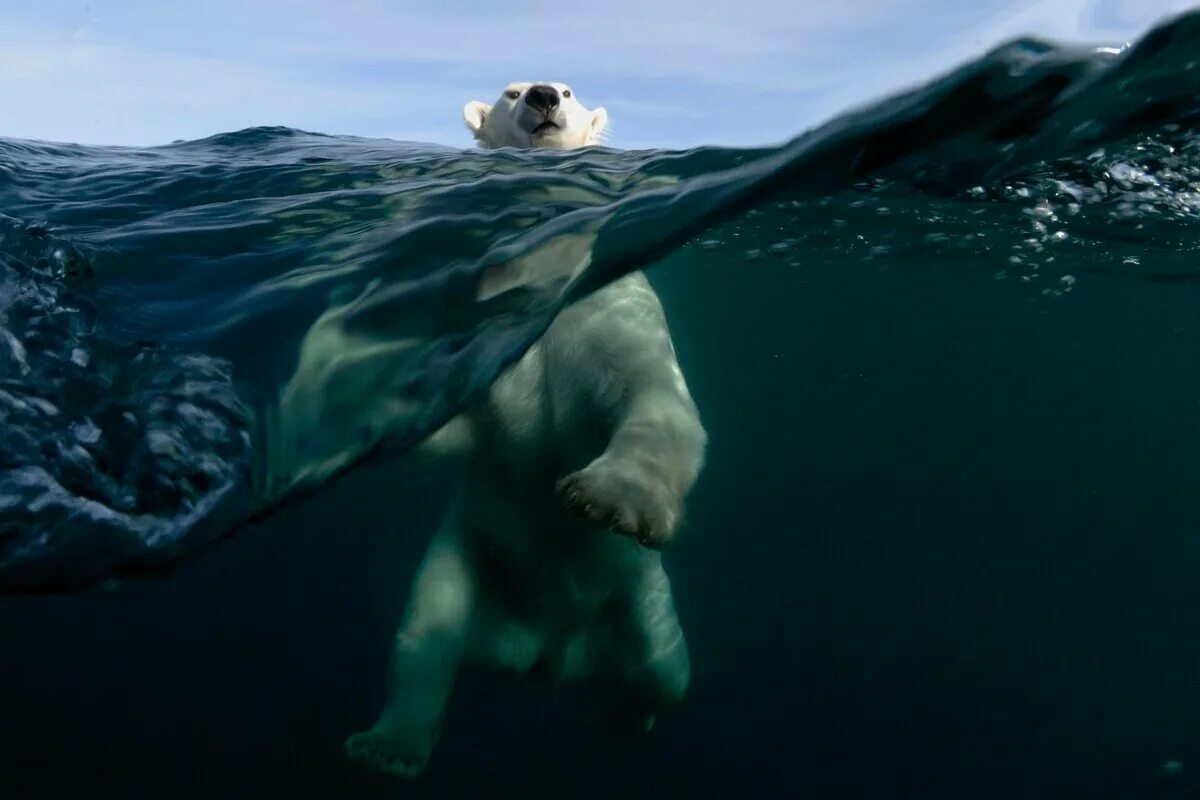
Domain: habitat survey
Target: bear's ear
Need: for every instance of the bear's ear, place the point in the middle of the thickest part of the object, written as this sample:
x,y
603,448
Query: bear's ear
x,y
599,124
475,114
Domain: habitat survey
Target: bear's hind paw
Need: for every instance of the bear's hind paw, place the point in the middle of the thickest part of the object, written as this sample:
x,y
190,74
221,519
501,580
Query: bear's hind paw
x,y
383,754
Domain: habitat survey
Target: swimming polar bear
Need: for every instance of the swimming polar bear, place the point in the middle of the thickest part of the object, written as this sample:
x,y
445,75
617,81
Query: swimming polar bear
x,y
535,115
592,433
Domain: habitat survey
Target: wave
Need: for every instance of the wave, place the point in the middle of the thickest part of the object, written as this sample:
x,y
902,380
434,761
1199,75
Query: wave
x,y
194,333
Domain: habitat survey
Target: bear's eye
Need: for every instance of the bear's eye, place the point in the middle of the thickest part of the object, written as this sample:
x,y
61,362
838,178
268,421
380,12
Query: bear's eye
x,y
566,92
513,95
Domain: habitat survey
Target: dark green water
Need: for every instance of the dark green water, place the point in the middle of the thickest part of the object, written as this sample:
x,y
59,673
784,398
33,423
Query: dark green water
x,y
945,544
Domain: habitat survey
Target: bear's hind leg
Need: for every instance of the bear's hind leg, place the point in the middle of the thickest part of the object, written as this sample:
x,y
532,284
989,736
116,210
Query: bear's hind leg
x,y
423,664
650,666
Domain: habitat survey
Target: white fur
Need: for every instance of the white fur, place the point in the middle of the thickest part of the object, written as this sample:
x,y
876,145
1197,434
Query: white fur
x,y
511,121
577,466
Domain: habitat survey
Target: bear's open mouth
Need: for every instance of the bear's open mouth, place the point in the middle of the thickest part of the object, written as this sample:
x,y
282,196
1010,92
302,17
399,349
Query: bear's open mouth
x,y
545,126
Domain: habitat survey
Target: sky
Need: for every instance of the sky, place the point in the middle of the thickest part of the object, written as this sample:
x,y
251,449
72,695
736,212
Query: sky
x,y
671,73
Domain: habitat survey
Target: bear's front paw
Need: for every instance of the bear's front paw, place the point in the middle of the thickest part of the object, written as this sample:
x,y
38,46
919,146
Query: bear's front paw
x,y
386,754
624,498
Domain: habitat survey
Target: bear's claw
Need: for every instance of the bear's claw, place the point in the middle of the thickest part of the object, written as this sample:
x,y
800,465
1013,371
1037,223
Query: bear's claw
x,y
622,500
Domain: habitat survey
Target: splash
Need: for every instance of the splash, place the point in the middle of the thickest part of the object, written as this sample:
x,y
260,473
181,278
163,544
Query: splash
x,y
193,334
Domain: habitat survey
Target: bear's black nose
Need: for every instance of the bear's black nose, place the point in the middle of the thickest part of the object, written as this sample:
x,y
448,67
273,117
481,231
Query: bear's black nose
x,y
542,98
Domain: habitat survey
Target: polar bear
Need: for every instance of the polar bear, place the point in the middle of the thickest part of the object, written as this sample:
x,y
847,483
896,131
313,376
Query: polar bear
x,y
535,115
577,465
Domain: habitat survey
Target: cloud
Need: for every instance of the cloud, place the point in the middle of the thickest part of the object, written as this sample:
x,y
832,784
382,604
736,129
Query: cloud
x,y
74,89
675,72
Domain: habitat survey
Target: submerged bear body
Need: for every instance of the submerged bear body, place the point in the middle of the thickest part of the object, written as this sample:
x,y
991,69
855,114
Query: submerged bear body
x,y
576,469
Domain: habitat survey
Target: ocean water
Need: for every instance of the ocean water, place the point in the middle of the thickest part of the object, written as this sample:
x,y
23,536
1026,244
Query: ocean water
x,y
947,540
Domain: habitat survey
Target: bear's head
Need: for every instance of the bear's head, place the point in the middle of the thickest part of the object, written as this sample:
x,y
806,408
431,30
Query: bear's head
x,y
535,115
